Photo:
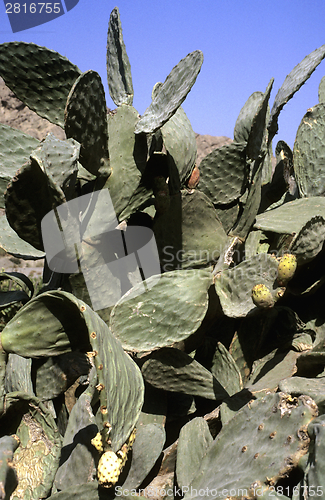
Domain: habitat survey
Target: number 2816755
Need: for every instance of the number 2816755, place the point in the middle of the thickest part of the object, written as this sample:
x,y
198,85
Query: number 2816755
x,y
33,8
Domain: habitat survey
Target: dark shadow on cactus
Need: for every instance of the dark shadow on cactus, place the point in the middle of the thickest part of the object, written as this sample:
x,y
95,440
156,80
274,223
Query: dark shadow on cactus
x,y
82,437
308,274
72,322
261,332
155,401
167,229
290,483
140,151
240,399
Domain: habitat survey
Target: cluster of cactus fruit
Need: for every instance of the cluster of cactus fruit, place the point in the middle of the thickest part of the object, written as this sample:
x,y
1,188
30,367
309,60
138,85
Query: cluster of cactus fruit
x,y
207,380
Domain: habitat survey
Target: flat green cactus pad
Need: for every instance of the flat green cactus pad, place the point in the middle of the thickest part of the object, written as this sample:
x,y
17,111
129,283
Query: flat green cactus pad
x,y
46,181
118,65
60,327
15,148
292,216
257,140
175,371
293,81
168,312
11,243
193,443
39,77
127,160
148,445
309,241
309,153
180,143
245,118
171,94
85,119
223,173
272,439
225,370
120,384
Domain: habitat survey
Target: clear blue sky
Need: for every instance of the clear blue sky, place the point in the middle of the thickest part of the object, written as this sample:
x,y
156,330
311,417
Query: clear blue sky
x,y
244,42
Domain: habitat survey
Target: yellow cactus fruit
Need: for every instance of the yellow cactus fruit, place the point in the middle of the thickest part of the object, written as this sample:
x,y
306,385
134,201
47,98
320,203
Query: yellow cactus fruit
x,y
286,269
131,439
98,442
262,296
124,450
109,469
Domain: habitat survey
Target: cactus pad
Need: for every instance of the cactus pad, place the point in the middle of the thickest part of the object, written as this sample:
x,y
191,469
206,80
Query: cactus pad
x,y
169,96
292,216
180,143
39,77
246,116
257,140
310,240
126,160
12,244
169,312
223,173
321,91
272,439
46,181
86,121
118,65
194,441
60,327
309,153
175,371
296,78
15,148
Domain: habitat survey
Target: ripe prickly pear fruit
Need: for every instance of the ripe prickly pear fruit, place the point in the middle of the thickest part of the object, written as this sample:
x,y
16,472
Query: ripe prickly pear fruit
x,y
286,269
194,179
109,469
262,296
98,442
